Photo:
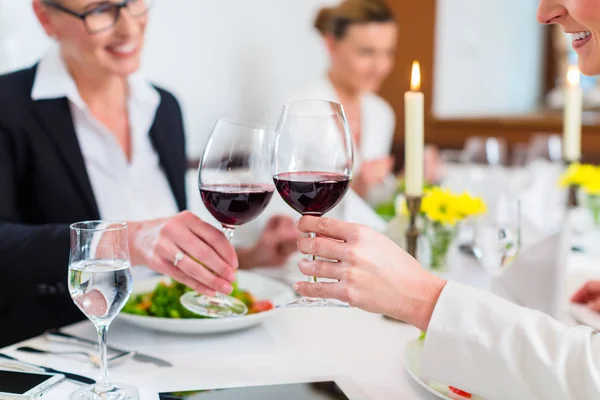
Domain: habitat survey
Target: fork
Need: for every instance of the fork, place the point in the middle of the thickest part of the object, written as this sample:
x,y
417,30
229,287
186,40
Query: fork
x,y
95,359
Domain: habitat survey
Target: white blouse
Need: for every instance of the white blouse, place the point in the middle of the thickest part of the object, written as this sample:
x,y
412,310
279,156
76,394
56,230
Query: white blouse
x,y
124,191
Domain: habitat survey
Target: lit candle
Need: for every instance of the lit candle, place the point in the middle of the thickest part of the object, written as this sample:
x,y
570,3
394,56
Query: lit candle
x,y
572,118
414,117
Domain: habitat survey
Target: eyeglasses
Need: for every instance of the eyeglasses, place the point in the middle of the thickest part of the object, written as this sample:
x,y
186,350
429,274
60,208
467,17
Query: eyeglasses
x,y
104,15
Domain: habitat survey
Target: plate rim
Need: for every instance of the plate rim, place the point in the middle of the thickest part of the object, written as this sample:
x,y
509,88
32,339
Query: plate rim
x,y
207,321
414,376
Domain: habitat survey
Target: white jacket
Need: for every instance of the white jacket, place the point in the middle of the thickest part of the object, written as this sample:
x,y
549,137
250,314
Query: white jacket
x,y
488,346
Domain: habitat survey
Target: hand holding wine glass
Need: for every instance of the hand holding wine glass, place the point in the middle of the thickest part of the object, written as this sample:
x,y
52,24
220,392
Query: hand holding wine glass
x,y
158,244
371,272
235,185
312,163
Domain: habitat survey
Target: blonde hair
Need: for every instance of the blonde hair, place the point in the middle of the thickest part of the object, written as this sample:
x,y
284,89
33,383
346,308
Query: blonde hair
x,y
337,20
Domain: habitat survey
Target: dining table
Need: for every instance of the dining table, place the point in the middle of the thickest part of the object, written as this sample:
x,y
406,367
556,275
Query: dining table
x,y
311,344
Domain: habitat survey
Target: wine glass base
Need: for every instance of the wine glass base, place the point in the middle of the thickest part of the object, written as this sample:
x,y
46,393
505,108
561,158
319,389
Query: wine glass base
x,y
220,306
309,302
118,391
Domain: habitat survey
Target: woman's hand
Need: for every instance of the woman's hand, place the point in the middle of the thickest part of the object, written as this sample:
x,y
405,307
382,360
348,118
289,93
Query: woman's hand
x,y
209,261
589,294
277,242
373,273
372,173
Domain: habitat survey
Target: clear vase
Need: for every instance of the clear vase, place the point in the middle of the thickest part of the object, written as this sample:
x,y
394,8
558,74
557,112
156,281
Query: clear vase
x,y
439,239
592,204
592,231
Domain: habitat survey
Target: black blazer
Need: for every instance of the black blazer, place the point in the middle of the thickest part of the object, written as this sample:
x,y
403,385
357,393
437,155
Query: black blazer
x,y
44,187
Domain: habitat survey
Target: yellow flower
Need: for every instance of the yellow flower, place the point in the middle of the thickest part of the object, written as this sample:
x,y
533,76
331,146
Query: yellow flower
x,y
470,206
446,208
579,175
440,205
585,176
592,187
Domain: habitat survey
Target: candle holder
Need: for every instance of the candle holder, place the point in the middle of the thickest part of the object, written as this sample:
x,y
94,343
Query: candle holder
x,y
413,204
572,201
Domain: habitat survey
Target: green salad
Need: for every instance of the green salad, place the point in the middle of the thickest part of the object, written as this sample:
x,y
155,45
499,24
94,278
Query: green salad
x,y
163,302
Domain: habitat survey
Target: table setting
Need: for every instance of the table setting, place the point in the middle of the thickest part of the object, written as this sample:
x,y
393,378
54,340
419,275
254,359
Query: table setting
x,y
167,341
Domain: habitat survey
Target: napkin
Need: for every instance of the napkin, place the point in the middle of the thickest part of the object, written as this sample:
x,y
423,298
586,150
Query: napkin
x,y
537,278
542,199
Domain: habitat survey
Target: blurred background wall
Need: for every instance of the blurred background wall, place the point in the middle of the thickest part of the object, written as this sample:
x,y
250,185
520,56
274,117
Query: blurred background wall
x,y
487,65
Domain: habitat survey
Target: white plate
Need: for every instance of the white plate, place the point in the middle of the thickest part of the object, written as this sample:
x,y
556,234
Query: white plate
x,y
412,363
261,287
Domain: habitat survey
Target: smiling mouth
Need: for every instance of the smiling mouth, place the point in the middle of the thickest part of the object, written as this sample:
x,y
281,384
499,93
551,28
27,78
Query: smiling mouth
x,y
580,35
580,39
124,49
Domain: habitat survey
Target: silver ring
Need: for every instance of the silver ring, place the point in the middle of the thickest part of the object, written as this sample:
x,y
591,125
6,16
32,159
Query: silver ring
x,y
178,257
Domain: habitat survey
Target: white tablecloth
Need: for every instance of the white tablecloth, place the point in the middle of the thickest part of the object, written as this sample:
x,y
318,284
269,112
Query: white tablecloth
x,y
293,344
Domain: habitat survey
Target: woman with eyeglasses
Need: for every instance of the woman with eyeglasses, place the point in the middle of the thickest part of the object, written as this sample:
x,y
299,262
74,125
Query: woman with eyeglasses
x,y
84,137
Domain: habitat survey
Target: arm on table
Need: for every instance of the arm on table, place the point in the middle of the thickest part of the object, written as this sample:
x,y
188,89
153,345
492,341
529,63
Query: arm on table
x,y
486,345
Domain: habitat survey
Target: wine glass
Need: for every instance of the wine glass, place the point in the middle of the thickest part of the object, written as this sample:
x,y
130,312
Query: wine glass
x,y
313,158
235,185
497,238
100,284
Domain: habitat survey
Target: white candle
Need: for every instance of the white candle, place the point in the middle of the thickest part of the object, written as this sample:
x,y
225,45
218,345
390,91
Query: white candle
x,y
414,117
572,117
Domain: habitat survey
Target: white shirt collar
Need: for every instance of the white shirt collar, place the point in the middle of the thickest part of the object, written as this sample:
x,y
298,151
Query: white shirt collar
x,y
53,81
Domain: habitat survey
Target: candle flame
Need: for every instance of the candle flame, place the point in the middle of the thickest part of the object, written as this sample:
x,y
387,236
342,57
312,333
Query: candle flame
x,y
573,75
415,81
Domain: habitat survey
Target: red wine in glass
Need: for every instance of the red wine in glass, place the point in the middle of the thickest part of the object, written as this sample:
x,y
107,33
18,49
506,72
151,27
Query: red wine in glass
x,y
236,185
312,193
234,205
313,158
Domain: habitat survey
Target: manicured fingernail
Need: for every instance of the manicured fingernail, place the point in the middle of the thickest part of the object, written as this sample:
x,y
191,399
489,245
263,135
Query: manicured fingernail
x,y
303,264
226,289
296,287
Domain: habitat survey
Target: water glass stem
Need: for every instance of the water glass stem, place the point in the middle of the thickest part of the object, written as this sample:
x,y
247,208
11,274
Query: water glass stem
x,y
103,385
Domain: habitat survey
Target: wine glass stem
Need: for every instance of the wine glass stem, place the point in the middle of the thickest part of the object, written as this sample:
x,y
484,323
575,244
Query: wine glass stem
x,y
103,385
228,232
311,257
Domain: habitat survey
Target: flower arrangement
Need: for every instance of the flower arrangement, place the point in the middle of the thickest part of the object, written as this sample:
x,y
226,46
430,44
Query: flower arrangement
x,y
587,178
442,211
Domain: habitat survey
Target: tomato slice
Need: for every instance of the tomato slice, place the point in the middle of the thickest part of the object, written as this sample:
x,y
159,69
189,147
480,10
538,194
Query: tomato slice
x,y
262,306
460,392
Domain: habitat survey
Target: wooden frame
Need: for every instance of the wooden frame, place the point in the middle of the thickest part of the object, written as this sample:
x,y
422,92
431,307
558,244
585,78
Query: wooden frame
x,y
417,19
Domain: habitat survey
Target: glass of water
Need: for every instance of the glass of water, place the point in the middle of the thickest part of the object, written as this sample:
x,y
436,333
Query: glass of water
x,y
100,284
497,239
